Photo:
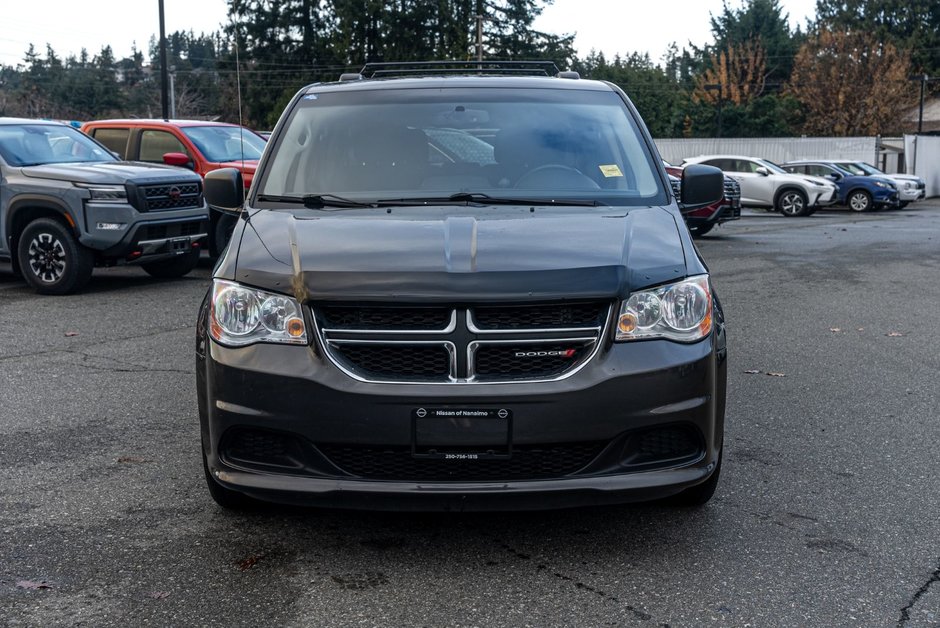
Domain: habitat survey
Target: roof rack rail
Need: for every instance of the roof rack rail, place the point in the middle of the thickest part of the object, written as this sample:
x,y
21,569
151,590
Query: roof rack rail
x,y
438,68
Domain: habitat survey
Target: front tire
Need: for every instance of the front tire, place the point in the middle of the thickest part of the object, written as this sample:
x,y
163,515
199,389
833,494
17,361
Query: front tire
x,y
173,267
51,259
792,203
859,201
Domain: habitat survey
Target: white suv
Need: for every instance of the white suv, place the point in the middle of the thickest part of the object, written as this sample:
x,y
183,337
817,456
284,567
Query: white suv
x,y
765,184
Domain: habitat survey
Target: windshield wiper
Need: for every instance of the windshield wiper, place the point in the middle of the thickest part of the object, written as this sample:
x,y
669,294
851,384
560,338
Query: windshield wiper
x,y
486,199
316,201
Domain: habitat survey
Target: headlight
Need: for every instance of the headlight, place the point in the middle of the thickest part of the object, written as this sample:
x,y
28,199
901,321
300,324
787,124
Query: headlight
x,y
680,311
881,184
239,315
106,193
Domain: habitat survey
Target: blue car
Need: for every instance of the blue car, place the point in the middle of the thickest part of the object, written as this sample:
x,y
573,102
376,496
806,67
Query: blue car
x,y
858,193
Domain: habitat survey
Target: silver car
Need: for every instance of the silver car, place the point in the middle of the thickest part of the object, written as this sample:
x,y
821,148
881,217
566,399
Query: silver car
x,y
765,184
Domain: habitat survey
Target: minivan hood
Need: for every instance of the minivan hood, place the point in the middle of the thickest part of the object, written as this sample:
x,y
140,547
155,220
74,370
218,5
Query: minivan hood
x,y
443,254
106,172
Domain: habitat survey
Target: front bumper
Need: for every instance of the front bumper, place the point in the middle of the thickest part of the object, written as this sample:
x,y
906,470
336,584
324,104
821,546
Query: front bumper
x,y
824,198
627,389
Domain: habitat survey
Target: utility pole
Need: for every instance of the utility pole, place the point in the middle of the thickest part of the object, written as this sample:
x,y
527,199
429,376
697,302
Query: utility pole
x,y
479,38
164,71
920,116
173,93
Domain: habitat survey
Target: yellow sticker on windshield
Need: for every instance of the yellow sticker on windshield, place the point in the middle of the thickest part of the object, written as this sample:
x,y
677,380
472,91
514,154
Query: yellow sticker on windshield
x,y
612,170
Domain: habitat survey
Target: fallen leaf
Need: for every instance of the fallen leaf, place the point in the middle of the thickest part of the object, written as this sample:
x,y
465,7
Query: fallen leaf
x,y
752,371
893,334
69,334
247,563
131,459
835,329
772,374
160,595
860,329
33,586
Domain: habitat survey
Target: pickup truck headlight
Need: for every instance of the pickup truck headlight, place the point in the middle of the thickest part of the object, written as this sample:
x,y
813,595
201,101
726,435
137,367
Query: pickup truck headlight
x,y
106,193
680,311
239,316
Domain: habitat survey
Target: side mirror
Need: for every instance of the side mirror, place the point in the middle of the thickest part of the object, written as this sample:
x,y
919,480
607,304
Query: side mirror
x,y
762,171
701,186
833,176
224,190
178,159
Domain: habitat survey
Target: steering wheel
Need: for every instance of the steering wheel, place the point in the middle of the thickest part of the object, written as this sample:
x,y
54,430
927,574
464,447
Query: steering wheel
x,y
556,177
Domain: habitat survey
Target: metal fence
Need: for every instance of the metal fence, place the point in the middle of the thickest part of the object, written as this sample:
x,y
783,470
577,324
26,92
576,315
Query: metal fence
x,y
776,149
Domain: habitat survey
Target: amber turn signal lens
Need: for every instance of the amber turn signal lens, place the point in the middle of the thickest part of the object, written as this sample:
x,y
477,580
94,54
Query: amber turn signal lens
x,y
295,327
627,323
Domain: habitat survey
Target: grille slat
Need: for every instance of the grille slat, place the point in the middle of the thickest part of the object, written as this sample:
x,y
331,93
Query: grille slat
x,y
539,316
526,360
396,361
389,318
525,463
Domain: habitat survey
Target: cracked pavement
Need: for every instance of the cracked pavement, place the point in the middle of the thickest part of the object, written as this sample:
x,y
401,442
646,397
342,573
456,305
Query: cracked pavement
x,y
827,514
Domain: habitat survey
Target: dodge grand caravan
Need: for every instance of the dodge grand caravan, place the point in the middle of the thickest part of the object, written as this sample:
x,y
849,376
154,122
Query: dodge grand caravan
x,y
460,289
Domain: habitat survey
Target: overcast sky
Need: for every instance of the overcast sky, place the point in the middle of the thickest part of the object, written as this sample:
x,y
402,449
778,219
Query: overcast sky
x,y
610,26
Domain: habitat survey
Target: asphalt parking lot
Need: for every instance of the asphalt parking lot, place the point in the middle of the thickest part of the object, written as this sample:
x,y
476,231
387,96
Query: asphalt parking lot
x,y
828,513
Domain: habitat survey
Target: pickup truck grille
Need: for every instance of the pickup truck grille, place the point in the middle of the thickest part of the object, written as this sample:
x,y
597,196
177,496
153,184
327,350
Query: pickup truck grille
x,y
461,344
732,191
170,196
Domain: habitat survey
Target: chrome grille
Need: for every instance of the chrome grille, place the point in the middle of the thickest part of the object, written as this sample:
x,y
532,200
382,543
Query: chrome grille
x,y
461,344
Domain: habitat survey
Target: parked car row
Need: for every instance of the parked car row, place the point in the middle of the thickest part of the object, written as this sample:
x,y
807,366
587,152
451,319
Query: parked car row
x,y
799,188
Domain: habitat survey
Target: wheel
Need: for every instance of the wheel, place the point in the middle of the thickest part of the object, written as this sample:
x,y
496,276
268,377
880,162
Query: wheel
x,y
51,259
699,494
173,267
700,230
792,203
221,234
859,201
226,497
903,204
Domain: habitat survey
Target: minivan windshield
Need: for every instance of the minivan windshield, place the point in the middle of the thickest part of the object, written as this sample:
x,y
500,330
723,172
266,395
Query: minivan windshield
x,y
422,143
36,144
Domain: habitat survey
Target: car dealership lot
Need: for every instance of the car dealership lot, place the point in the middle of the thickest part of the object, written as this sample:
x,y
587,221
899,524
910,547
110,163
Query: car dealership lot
x,y
826,513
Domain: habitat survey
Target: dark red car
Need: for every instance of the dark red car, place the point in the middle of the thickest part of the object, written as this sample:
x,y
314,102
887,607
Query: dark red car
x,y
702,220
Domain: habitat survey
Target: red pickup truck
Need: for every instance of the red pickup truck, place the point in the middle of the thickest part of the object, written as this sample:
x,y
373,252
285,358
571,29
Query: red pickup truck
x,y
198,145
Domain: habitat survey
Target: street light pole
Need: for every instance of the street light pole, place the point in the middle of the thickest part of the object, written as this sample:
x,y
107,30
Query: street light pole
x,y
164,71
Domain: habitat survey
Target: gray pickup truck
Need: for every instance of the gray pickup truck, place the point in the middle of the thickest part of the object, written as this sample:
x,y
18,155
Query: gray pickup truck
x,y
67,204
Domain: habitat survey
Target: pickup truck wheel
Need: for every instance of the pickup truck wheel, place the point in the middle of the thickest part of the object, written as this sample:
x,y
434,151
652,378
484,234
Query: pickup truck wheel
x,y
173,267
859,201
699,494
51,259
792,203
221,234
